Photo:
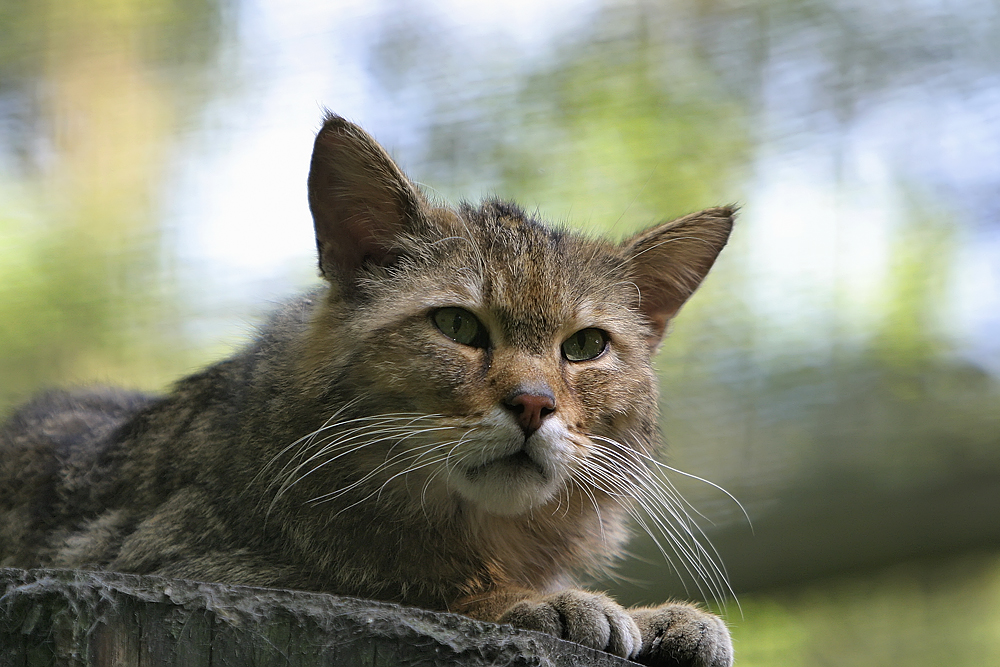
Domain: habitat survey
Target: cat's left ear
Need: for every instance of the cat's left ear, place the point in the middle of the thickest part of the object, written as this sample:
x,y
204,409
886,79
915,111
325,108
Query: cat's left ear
x,y
669,262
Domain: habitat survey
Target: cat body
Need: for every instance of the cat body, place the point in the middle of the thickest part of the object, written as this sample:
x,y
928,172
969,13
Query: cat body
x,y
445,423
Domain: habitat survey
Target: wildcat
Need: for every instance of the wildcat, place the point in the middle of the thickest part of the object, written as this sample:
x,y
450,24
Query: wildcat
x,y
458,419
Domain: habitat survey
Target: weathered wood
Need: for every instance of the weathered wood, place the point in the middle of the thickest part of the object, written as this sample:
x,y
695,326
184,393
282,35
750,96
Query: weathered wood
x,y
103,619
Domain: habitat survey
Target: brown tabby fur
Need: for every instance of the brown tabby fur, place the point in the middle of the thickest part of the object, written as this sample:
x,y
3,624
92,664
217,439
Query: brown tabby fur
x,y
356,449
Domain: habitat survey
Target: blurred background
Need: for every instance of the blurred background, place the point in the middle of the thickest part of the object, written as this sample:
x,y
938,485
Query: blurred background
x,y
839,372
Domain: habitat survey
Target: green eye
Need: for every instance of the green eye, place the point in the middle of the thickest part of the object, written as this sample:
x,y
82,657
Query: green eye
x,y
585,344
461,326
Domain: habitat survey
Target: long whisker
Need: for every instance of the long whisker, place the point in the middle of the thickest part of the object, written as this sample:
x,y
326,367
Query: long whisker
x,y
385,465
689,559
307,437
309,440
377,492
339,443
649,460
668,499
403,435
628,474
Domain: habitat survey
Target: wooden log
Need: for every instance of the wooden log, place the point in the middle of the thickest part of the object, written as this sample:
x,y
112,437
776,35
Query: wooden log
x,y
107,619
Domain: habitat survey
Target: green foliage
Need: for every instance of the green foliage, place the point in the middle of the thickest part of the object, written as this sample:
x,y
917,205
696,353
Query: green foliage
x,y
90,94
74,310
922,614
613,144
620,128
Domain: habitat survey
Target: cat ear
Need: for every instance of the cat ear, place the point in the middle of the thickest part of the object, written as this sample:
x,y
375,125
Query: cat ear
x,y
360,200
669,261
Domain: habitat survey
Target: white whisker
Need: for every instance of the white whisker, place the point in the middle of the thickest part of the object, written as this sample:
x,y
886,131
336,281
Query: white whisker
x,y
636,479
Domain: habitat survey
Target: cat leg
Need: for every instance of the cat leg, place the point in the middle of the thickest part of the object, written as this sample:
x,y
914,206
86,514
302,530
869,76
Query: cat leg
x,y
680,634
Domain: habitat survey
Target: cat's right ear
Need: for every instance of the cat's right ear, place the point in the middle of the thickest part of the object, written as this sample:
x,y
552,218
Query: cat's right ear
x,y
361,202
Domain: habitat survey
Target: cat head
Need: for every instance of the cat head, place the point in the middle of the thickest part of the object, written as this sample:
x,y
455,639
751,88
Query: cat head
x,y
505,358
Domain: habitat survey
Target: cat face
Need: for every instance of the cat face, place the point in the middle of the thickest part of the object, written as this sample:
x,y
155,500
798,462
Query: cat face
x,y
492,358
520,340
559,362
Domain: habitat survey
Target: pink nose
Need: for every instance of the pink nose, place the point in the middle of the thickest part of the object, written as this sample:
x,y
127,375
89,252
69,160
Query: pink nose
x,y
531,407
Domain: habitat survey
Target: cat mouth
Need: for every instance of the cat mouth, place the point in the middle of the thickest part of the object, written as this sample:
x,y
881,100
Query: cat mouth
x,y
517,462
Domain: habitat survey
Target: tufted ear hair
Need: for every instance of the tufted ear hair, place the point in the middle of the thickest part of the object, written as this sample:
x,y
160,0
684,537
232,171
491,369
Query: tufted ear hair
x,y
669,262
361,202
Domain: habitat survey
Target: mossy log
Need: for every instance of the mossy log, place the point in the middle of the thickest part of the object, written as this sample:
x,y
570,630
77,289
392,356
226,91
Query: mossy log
x,y
106,619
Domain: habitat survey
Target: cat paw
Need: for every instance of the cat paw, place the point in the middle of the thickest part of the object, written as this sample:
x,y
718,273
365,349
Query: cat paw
x,y
590,619
679,635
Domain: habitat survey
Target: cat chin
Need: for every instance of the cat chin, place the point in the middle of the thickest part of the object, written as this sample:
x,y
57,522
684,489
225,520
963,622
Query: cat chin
x,y
507,487
515,483
503,496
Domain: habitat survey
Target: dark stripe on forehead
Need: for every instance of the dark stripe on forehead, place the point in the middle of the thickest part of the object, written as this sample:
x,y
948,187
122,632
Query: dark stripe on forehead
x,y
497,215
530,329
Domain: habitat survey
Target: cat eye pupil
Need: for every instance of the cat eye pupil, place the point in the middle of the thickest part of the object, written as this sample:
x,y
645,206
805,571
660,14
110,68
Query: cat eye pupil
x,y
461,326
585,344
